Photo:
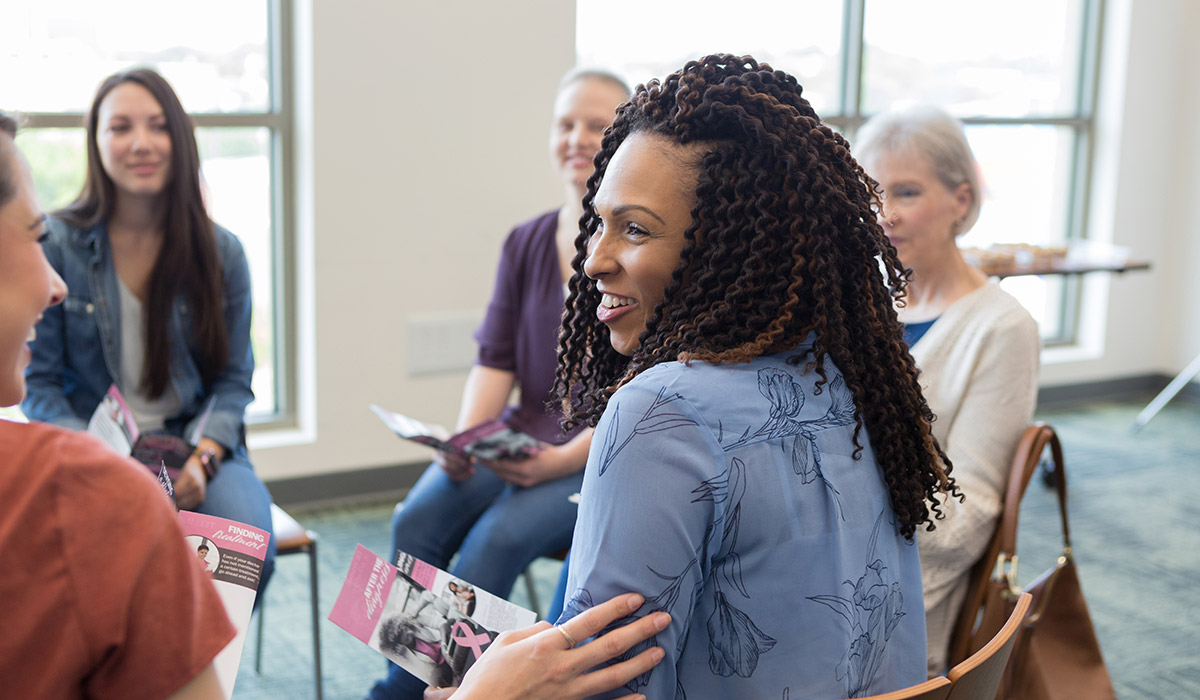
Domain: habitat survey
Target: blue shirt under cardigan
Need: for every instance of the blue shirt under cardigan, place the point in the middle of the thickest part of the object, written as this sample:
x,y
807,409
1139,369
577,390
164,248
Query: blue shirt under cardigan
x,y
729,496
915,331
77,353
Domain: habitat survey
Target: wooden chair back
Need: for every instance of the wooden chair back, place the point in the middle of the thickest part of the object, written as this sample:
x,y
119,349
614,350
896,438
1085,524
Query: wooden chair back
x,y
1024,465
978,678
932,689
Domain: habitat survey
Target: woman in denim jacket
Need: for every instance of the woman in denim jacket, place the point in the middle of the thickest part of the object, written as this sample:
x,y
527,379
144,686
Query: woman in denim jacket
x,y
160,300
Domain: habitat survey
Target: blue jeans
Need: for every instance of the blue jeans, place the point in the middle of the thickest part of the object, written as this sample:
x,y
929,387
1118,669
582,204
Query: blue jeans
x,y
237,493
496,528
555,610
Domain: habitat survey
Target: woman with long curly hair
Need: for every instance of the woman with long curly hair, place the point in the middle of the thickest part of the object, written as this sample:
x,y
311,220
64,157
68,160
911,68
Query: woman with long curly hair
x,y
976,346
762,452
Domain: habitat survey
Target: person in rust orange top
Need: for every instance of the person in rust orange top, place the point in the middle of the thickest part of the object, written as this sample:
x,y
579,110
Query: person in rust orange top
x,y
102,596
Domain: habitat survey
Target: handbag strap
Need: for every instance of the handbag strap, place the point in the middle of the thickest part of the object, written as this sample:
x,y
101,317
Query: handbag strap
x,y
1029,452
1060,482
998,564
1025,462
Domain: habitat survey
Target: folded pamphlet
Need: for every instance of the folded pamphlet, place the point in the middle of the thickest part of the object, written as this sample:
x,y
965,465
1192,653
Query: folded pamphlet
x,y
429,623
492,439
233,555
114,424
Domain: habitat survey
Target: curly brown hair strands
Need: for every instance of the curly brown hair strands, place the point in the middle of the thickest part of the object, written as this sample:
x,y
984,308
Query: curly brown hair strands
x,y
783,244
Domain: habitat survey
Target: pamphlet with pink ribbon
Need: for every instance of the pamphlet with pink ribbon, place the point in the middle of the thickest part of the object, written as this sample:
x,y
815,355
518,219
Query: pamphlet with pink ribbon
x,y
428,622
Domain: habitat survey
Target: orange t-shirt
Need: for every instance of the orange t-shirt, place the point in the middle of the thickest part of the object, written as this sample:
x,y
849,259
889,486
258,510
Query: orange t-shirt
x,y
99,595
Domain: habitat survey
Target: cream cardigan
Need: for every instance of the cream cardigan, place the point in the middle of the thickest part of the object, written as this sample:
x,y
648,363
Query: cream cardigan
x,y
979,370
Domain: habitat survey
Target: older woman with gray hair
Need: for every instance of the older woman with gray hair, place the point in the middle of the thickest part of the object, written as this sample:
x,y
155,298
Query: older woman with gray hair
x,y
976,346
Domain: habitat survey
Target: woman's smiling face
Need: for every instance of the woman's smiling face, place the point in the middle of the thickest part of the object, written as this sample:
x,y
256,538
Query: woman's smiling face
x,y
28,285
645,205
583,110
133,140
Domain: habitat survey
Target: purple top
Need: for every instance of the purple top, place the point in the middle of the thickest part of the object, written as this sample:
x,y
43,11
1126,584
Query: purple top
x,y
520,331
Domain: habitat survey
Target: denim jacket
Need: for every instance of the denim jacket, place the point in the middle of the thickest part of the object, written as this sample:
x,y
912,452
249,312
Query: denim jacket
x,y
77,353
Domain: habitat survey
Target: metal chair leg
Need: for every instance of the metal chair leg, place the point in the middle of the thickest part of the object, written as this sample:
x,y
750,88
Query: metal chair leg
x,y
292,538
1164,397
262,613
316,617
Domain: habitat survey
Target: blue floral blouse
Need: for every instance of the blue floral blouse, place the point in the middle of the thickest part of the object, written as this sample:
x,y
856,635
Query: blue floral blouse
x,y
729,496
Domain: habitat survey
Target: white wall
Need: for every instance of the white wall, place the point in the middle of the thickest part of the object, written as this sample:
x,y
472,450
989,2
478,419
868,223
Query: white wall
x,y
1183,254
426,141
1144,189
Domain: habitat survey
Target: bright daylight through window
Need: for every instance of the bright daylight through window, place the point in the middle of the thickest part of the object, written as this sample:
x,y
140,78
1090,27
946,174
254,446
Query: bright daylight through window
x,y
222,58
1019,74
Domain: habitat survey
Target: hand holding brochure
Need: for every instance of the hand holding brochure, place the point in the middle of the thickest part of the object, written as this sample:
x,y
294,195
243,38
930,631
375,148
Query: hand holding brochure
x,y
233,555
113,423
489,440
429,623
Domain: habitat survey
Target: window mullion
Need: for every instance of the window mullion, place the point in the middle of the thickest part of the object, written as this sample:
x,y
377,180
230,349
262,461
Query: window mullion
x,y
1089,59
53,120
1081,163
282,186
852,63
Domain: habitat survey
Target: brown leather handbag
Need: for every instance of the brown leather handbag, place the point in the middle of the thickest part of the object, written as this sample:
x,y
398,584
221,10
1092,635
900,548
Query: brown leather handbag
x,y
1057,655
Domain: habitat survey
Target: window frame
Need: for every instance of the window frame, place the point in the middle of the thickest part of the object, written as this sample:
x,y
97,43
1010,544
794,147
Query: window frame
x,y
850,116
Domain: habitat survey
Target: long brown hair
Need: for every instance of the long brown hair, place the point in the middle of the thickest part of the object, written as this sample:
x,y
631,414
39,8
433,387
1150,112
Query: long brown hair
x,y
783,243
8,175
188,262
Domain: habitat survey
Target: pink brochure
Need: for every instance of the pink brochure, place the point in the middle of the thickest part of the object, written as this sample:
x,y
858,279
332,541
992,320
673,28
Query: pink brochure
x,y
233,555
360,604
431,624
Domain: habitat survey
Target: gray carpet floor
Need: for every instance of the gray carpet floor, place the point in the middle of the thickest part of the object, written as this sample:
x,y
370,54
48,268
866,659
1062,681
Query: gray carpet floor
x,y
1135,517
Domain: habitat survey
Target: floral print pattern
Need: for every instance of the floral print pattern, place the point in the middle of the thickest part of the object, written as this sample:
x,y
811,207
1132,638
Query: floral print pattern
x,y
582,600
658,417
799,437
872,610
735,642
725,615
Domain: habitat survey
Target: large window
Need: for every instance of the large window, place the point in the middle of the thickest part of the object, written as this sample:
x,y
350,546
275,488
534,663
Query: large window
x,y
225,59
1020,74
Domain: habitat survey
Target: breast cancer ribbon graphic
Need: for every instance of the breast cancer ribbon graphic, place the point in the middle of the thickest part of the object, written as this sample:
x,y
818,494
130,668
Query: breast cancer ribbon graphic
x,y
462,634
